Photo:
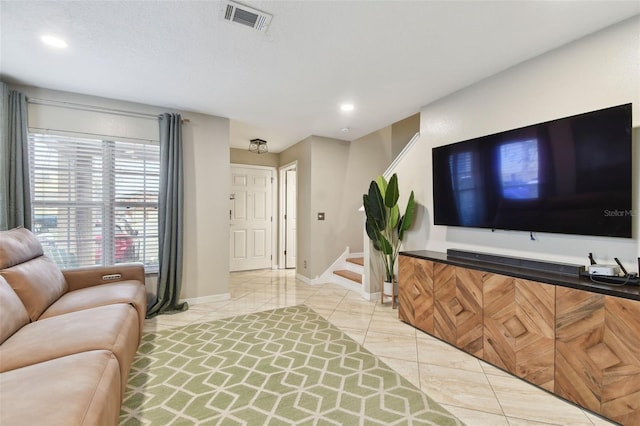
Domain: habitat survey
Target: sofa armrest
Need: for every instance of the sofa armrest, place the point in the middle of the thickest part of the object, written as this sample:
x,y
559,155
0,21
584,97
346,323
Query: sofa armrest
x,y
88,276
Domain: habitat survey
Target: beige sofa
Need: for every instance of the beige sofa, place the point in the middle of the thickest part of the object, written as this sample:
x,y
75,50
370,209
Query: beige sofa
x,y
67,338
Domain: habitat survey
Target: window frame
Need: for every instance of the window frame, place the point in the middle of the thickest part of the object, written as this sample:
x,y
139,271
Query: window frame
x,y
110,206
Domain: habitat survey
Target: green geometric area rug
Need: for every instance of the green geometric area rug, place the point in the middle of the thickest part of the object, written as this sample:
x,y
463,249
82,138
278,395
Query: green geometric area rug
x,y
279,367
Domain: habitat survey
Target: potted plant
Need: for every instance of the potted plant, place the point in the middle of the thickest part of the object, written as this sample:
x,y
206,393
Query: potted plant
x,y
386,225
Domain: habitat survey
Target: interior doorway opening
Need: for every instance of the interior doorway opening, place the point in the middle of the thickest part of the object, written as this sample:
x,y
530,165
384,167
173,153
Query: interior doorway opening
x,y
288,216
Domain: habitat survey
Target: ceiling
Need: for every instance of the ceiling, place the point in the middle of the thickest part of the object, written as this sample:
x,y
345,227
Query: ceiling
x,y
388,58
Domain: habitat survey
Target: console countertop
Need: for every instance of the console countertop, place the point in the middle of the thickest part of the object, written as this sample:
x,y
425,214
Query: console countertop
x,y
579,283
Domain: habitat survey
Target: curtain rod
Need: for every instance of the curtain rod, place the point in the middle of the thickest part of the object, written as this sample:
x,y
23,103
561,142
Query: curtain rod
x,y
94,108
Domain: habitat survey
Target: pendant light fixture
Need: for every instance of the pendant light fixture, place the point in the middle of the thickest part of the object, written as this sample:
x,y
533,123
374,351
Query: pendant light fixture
x,y
258,146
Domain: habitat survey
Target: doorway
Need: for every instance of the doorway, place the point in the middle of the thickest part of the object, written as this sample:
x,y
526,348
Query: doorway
x,y
251,218
288,216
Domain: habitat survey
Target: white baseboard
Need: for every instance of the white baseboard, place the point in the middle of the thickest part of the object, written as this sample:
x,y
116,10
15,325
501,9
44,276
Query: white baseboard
x,y
307,280
207,299
371,297
303,278
327,275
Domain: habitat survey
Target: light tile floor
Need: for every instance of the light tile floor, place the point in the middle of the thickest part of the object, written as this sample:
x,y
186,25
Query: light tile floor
x,y
478,393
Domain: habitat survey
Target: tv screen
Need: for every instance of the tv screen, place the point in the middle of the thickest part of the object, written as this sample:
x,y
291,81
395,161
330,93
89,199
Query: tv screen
x,y
569,176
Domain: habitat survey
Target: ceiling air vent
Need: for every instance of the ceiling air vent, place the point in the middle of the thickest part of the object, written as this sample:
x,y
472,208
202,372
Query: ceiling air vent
x,y
243,15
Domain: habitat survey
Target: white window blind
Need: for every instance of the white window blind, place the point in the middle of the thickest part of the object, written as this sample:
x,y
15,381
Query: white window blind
x,y
95,201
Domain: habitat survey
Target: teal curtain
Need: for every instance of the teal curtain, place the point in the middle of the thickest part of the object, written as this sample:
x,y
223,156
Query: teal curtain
x,y
170,217
15,190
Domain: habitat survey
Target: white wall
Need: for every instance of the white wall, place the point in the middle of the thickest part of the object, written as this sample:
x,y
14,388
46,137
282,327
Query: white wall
x,y
206,179
332,176
402,132
598,71
369,156
301,152
243,156
329,159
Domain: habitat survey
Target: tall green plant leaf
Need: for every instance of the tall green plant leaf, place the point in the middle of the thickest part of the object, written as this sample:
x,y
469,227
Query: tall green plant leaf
x,y
407,219
382,185
392,194
384,219
394,216
370,223
373,234
374,206
385,245
365,204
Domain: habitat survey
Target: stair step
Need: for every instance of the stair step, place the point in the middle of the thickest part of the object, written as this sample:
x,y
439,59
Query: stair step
x,y
356,260
350,275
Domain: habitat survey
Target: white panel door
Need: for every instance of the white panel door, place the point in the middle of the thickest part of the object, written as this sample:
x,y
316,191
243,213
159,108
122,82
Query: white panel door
x,y
290,220
250,218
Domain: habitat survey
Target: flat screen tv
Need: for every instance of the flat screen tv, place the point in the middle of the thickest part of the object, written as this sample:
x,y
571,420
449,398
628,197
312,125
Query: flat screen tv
x,y
570,176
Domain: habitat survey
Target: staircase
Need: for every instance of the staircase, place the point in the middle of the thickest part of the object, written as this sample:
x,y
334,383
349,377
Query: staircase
x,y
350,274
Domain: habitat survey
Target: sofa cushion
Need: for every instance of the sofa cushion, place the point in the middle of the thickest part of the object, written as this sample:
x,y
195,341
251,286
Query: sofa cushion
x,y
132,292
88,276
18,245
38,282
79,389
13,314
112,327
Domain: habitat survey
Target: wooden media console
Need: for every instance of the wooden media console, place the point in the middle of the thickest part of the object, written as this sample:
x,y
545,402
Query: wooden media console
x,y
565,334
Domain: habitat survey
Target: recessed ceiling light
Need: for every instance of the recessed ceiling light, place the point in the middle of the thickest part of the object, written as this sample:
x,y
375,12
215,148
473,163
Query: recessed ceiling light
x,y
345,130
346,107
54,41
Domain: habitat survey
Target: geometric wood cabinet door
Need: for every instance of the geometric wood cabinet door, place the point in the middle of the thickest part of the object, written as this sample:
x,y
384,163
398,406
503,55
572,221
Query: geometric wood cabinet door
x,y
519,327
579,346
598,353
458,307
620,399
415,289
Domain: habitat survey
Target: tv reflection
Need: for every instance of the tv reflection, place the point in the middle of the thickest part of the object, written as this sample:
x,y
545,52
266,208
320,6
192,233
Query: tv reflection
x,y
518,172
468,187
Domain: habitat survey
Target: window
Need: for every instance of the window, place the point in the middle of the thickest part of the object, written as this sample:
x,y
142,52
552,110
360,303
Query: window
x,y
467,186
519,170
95,202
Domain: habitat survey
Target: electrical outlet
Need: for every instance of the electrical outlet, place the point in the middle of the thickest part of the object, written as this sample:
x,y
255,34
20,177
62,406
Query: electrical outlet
x,y
305,264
